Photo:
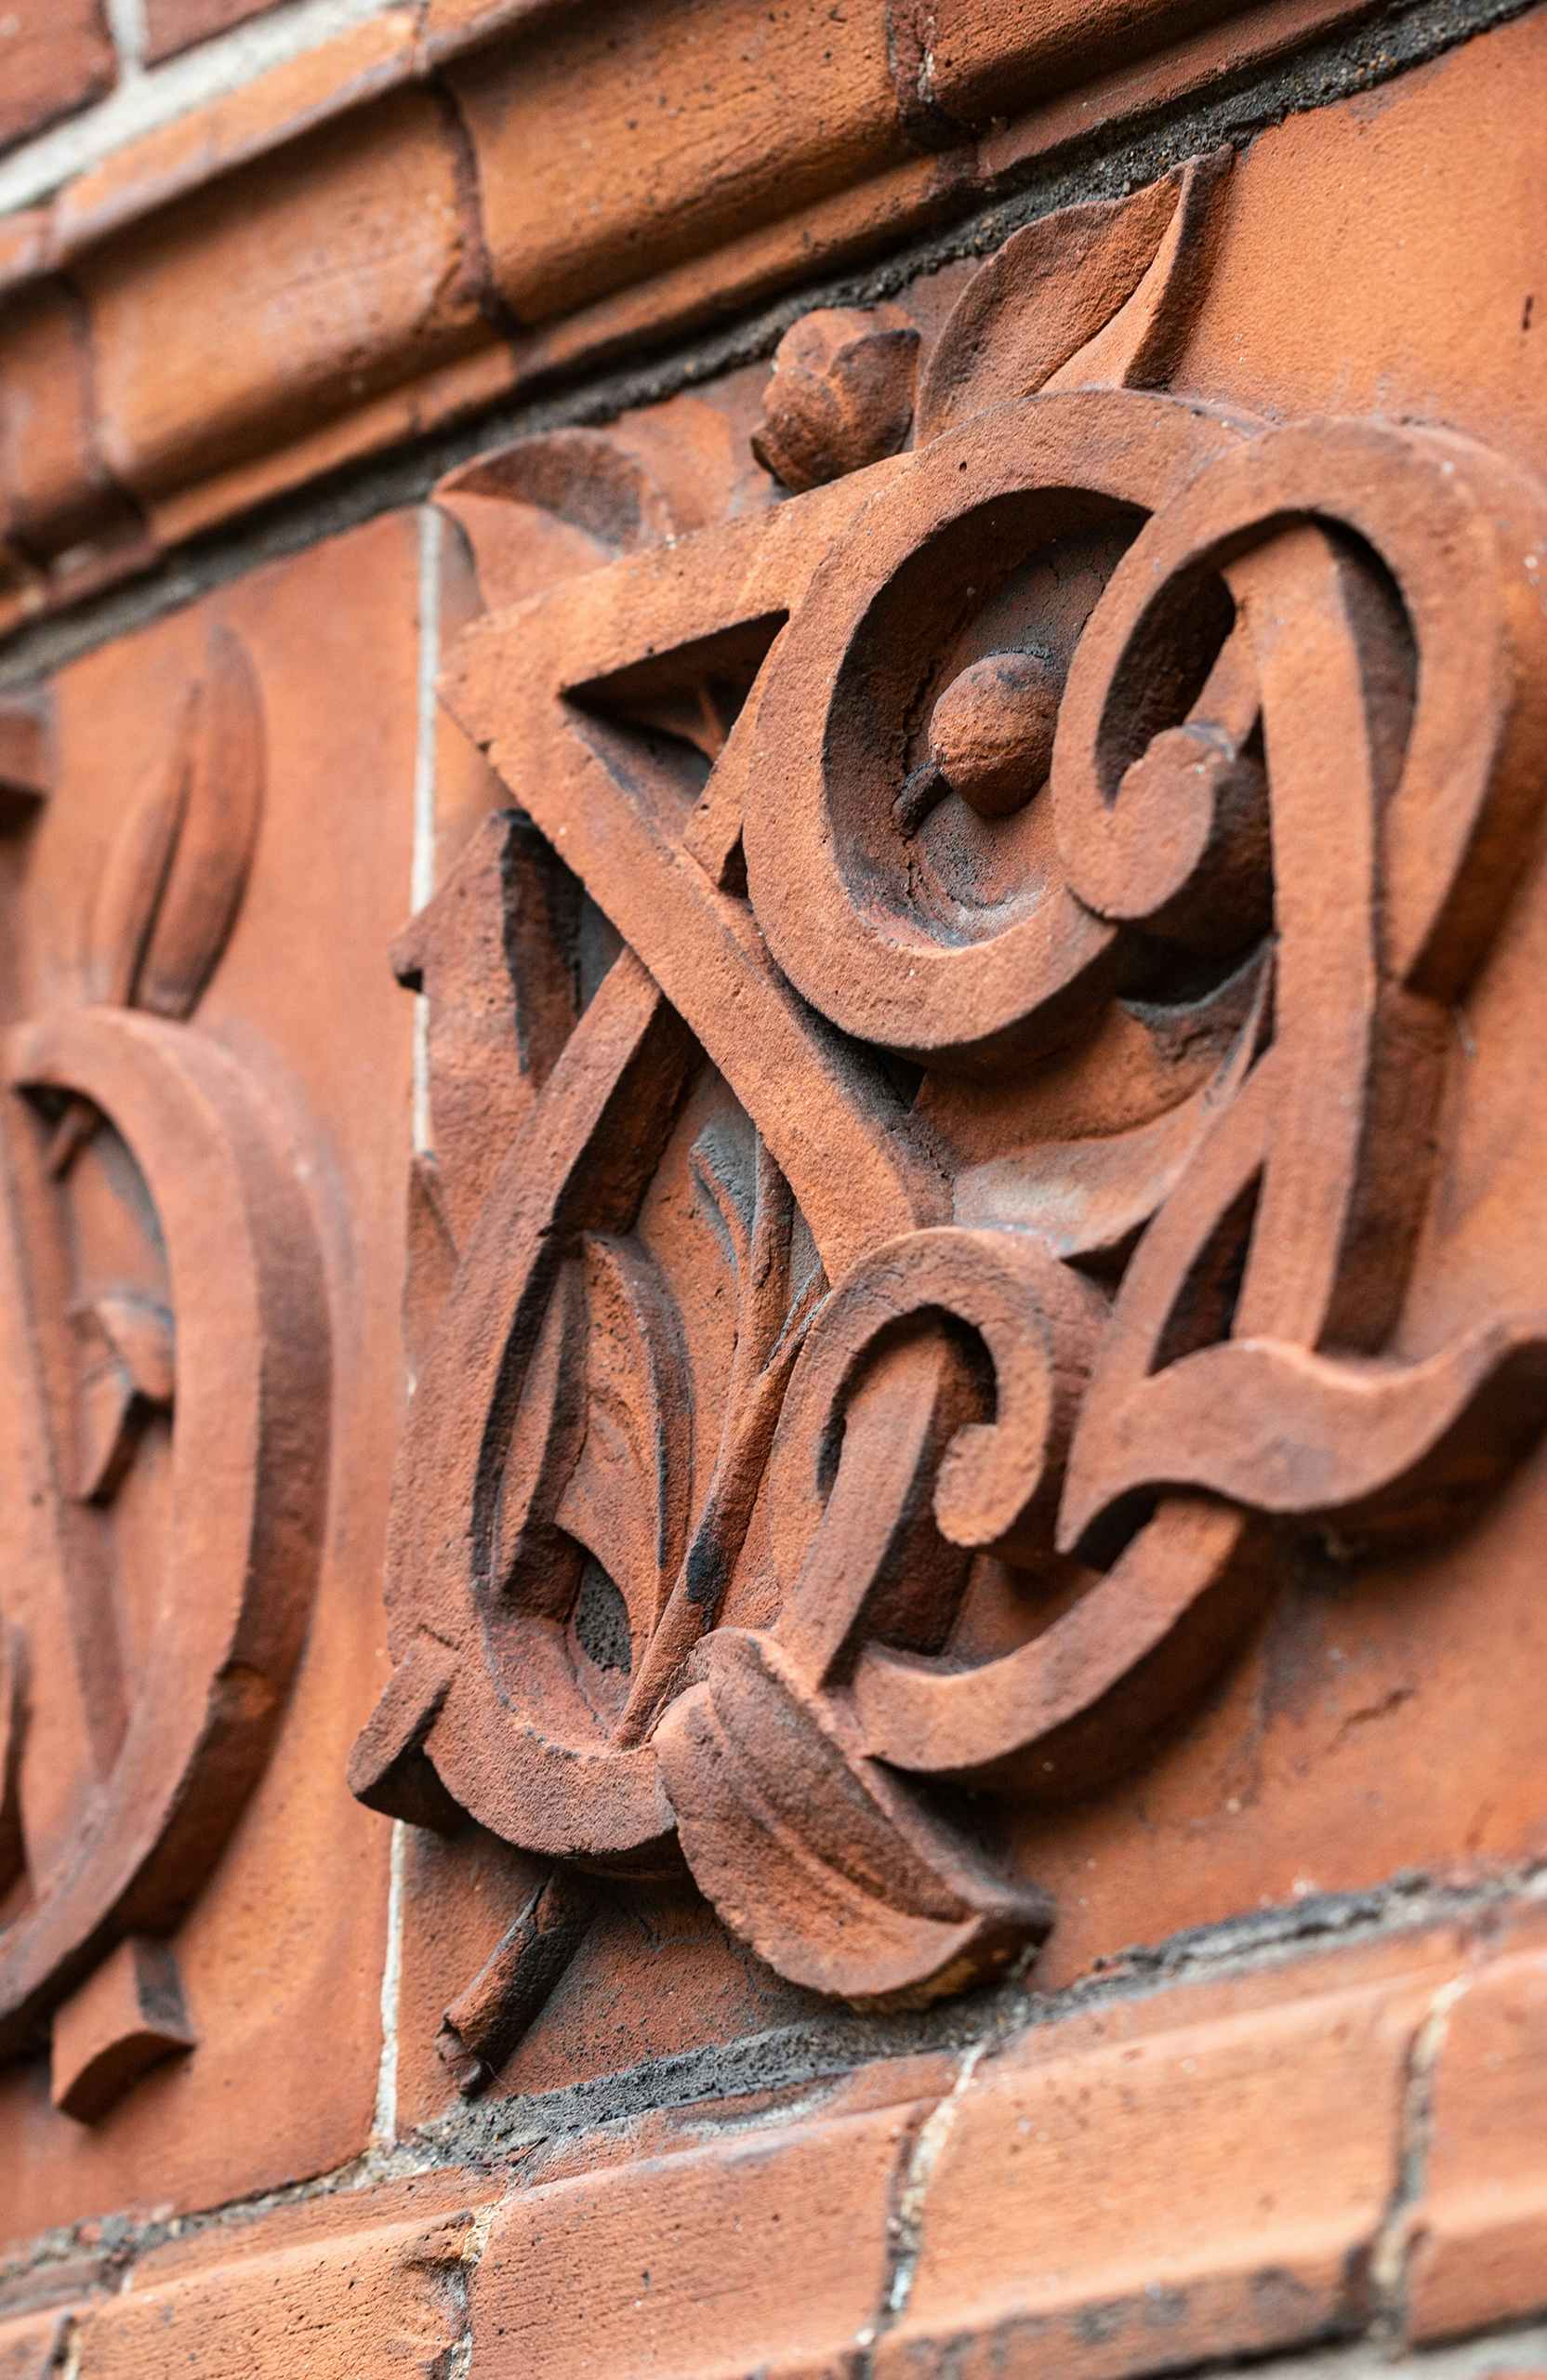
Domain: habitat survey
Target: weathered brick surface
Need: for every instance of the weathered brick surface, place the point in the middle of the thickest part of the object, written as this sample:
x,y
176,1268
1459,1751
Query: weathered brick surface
x,y
55,55
174,25
1184,2193
1478,2241
1198,2173
283,1958
758,2253
709,118
389,2298
232,128
360,246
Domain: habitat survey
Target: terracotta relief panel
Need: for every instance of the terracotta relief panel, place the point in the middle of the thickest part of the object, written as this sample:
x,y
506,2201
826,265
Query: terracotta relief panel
x,y
773,1366
205,1125
969,1308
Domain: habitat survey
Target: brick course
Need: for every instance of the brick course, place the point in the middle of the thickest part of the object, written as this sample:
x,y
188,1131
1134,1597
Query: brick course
x,y
1274,2088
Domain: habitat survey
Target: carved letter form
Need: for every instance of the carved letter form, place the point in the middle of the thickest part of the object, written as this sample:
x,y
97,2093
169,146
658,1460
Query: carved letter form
x,y
164,1454
936,1083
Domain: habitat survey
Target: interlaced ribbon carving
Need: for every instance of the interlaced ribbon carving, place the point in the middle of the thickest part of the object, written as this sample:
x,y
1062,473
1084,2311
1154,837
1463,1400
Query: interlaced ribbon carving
x,y
1300,681
144,1668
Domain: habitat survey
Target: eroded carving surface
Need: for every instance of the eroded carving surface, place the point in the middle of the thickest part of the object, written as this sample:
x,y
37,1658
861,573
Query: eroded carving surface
x,y
167,1423
936,1084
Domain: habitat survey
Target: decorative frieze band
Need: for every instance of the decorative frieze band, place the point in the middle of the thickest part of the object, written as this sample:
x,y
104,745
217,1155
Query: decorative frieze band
x,y
945,2209
502,209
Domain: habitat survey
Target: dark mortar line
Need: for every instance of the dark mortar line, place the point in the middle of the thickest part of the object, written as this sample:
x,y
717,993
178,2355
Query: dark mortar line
x,y
1108,163
827,2048
1328,2345
497,314
1360,2353
497,2137
485,2137
901,2242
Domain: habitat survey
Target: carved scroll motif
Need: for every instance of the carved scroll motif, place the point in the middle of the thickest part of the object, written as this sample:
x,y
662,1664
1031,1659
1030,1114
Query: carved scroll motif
x,y
981,1160
167,1426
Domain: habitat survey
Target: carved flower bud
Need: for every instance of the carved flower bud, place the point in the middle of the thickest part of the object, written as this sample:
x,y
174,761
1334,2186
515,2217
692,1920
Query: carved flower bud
x,y
840,395
991,733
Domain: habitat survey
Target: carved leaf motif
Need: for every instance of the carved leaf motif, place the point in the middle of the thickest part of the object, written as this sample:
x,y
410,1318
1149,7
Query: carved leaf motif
x,y
127,1376
754,1220
1092,294
831,1869
550,506
174,878
639,1429
135,879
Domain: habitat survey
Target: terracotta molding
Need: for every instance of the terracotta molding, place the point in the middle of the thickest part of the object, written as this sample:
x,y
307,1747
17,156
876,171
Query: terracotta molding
x,y
491,237
1006,2211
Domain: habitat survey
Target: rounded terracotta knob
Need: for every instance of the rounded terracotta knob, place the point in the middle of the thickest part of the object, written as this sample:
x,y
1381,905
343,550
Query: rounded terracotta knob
x,y
840,395
991,732
1194,816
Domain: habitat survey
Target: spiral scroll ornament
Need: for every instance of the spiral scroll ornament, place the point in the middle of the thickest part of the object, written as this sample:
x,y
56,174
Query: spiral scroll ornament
x,y
1031,1000
164,1445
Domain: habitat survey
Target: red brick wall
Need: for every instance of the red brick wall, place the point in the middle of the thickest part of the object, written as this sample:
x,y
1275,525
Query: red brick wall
x,y
314,364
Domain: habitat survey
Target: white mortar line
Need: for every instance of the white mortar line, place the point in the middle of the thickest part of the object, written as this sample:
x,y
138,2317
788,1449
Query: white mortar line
x,y
148,97
421,877
1389,2254
908,2216
421,884
126,25
933,2133
383,2123
477,2241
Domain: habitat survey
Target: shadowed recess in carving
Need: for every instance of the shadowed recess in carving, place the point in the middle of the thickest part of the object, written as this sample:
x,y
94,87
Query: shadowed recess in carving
x,y
1045,850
